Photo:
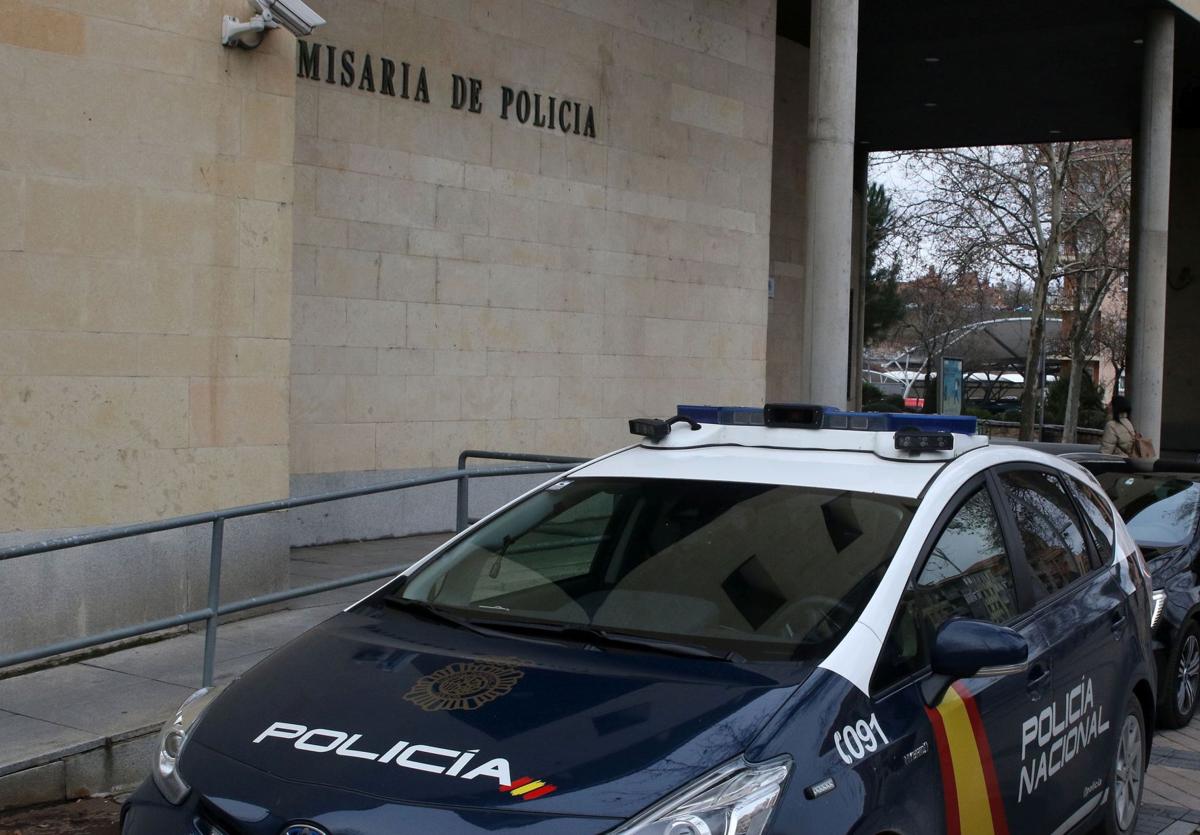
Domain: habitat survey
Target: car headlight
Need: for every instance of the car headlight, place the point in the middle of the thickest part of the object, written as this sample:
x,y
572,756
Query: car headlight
x,y
735,799
1158,600
171,741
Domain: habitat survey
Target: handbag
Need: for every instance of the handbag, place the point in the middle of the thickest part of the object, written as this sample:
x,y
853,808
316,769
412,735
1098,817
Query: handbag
x,y
1143,447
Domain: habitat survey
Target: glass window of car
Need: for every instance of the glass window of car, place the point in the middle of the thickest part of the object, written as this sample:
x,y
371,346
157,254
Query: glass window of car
x,y
764,570
1054,545
1098,515
1160,510
967,574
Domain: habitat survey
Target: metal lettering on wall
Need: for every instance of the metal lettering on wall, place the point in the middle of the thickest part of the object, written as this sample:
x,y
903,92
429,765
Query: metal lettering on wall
x,y
325,62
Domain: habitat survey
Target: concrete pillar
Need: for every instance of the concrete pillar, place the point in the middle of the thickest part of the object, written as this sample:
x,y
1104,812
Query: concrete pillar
x,y
858,301
824,360
1147,322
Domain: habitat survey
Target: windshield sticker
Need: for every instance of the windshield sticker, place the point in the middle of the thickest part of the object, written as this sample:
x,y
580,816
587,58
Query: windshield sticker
x,y
856,740
1055,736
465,765
969,786
463,686
559,485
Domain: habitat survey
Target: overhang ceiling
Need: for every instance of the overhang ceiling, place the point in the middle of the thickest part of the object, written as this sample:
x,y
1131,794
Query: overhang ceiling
x,y
946,73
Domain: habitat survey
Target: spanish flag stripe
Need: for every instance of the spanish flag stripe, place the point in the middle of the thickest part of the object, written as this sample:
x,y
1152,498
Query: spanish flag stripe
x,y
949,790
974,811
516,784
528,787
999,819
546,789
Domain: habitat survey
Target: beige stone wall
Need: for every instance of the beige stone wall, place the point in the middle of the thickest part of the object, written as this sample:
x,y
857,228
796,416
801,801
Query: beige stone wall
x,y
466,281
145,262
786,317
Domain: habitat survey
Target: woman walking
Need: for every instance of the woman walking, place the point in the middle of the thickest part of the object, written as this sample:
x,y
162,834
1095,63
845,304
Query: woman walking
x,y
1120,438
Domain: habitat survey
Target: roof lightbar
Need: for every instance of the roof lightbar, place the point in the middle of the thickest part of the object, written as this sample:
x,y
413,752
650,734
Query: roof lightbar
x,y
808,416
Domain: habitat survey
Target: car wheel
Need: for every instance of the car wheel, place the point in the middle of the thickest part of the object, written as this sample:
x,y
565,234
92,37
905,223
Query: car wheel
x,y
1128,772
1182,685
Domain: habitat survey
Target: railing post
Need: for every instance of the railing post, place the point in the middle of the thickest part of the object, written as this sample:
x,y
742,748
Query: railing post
x,y
214,599
464,499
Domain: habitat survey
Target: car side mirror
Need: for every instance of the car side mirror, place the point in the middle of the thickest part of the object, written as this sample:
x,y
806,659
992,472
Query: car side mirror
x,y
966,648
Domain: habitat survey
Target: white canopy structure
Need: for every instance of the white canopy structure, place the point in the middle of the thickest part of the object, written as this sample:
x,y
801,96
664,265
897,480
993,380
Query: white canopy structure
x,y
992,351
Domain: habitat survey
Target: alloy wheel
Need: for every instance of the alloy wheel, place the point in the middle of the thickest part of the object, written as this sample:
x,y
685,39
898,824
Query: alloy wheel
x,y
1127,776
1187,675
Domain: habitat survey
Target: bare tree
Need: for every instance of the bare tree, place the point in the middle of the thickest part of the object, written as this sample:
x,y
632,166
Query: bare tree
x,y
937,305
1099,247
1003,210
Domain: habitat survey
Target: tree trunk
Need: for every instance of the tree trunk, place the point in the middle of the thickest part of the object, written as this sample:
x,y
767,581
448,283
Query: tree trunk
x,y
1080,324
1033,380
1074,388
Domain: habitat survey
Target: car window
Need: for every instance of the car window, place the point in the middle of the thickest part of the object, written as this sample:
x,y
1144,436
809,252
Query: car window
x,y
1160,511
1054,545
1098,515
967,574
555,549
768,571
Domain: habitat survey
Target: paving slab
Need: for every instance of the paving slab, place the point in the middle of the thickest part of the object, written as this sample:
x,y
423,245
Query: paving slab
x,y
23,738
351,557
98,701
177,660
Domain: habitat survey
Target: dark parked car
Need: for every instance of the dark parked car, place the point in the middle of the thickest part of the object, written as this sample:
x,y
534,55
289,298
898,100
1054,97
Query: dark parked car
x,y
1161,509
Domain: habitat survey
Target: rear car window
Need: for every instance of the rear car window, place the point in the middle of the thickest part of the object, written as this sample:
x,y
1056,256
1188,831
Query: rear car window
x,y
767,571
1160,510
1054,545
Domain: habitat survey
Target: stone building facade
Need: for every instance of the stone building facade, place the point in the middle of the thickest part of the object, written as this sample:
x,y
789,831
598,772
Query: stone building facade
x,y
232,275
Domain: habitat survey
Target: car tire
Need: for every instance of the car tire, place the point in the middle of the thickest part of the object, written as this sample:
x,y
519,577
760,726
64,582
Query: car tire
x,y
1181,679
1127,774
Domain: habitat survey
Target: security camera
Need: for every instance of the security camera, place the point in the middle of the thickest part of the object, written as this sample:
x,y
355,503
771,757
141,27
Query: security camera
x,y
293,15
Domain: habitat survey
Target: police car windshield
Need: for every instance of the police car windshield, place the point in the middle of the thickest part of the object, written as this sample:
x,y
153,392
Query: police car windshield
x,y
763,571
1159,510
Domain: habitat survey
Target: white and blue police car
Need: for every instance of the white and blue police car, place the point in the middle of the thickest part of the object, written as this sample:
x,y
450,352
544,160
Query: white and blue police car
x,y
784,620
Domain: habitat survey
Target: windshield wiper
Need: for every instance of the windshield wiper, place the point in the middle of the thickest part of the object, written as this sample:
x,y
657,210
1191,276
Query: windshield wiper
x,y
429,611
603,637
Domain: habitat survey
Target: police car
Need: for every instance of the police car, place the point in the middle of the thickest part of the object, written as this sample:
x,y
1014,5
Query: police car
x,y
781,620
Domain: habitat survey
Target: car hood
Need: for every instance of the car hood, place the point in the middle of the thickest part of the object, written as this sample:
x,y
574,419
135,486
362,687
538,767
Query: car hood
x,y
1165,564
467,720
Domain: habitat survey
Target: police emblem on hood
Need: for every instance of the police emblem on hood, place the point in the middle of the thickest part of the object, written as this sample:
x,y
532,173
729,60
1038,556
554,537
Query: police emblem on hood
x,y
463,686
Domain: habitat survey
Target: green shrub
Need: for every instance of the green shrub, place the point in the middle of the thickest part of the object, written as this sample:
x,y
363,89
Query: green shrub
x,y
1091,403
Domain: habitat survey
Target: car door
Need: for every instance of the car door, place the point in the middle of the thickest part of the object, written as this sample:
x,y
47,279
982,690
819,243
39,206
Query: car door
x,y
966,571
1067,742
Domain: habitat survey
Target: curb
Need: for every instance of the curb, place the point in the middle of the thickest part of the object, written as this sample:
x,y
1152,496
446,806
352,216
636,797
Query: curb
x,y
104,766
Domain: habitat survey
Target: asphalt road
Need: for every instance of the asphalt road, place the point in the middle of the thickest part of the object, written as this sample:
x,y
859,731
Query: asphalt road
x,y
92,816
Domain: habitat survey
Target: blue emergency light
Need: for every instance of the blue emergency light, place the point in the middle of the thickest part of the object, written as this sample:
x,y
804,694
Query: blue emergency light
x,y
805,416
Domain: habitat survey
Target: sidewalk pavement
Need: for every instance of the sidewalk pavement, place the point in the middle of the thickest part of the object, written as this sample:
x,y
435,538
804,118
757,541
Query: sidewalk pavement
x,y
89,727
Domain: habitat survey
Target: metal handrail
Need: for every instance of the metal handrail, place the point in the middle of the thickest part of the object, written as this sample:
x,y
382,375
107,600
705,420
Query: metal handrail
x,y
216,518
463,519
